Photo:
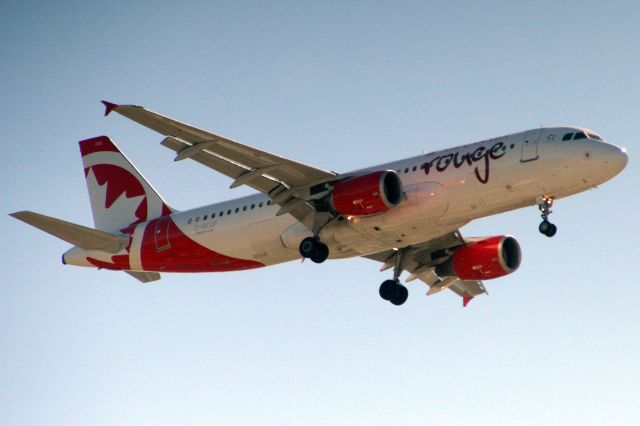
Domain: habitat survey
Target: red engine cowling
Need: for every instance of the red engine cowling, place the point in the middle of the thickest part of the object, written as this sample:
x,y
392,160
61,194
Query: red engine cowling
x,y
493,257
368,194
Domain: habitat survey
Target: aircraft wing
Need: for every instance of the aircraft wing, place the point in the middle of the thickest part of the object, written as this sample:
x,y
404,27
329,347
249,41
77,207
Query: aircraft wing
x,y
421,259
287,182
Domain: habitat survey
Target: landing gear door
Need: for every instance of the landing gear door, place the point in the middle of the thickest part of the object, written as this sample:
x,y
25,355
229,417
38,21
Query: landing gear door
x,y
530,145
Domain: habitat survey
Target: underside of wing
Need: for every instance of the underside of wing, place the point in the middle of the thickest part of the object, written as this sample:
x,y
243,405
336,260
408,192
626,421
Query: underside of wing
x,y
421,260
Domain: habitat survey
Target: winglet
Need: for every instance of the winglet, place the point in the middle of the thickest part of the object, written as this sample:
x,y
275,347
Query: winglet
x,y
466,300
108,107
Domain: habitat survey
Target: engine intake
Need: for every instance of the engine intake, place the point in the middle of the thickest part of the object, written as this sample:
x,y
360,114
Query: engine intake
x,y
368,194
486,259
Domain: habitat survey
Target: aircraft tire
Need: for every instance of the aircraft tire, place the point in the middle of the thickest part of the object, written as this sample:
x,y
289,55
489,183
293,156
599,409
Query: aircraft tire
x,y
387,289
401,295
308,247
547,228
321,254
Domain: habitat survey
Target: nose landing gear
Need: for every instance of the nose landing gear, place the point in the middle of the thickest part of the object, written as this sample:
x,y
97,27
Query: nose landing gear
x,y
544,205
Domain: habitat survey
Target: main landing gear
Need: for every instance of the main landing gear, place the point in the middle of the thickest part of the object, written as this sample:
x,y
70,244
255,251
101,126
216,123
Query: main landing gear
x,y
392,290
546,228
312,248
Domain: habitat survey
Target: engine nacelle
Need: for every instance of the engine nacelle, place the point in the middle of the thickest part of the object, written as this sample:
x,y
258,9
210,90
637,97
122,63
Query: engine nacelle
x,y
492,257
368,194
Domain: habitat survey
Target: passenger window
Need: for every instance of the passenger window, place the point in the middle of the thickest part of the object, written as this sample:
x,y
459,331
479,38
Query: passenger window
x,y
190,221
205,217
197,219
260,204
228,212
269,202
253,206
213,215
237,209
221,214
244,209
415,168
567,137
580,135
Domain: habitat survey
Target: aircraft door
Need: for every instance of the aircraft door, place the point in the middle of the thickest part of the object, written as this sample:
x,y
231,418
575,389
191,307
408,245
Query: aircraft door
x,y
530,145
161,233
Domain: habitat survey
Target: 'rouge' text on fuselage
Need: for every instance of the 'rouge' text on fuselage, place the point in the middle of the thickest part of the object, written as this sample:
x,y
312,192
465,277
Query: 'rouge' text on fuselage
x,y
442,162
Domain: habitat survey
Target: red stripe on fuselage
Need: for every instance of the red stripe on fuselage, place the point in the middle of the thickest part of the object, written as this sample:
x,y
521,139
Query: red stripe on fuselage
x,y
182,254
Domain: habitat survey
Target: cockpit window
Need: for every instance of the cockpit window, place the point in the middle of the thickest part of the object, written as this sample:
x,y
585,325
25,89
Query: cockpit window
x,y
581,135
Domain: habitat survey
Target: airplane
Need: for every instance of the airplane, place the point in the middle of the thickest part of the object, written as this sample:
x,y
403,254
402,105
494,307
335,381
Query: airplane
x,y
404,214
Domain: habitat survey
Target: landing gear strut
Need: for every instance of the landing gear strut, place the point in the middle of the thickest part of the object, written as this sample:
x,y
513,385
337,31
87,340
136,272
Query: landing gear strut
x,y
392,290
312,248
544,205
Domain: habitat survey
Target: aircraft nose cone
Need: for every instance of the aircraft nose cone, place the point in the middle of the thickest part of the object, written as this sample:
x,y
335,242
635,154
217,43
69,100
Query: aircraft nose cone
x,y
624,157
615,158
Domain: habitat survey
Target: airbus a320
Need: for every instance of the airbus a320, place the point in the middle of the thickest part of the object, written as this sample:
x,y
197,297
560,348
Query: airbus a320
x,y
404,214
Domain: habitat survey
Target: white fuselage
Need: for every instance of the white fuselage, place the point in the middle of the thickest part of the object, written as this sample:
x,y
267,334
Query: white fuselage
x,y
443,191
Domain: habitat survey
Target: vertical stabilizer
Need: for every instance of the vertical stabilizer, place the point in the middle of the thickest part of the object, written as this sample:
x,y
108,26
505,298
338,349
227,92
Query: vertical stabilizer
x,y
120,196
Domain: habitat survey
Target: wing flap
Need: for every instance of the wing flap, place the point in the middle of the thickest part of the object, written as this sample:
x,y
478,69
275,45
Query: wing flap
x,y
468,288
222,165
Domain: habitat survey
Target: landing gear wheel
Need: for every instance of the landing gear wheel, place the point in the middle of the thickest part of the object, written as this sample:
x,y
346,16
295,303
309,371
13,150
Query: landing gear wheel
x,y
308,247
547,228
544,205
401,295
394,292
321,254
312,248
388,289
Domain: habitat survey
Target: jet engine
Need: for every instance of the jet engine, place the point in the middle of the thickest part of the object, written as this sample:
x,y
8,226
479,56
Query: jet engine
x,y
368,194
486,259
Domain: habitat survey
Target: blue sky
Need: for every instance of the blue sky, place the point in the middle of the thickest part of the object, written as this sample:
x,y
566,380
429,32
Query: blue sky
x,y
340,86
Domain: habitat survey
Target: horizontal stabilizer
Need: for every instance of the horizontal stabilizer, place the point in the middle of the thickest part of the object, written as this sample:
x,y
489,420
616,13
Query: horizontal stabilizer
x,y
78,235
145,277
